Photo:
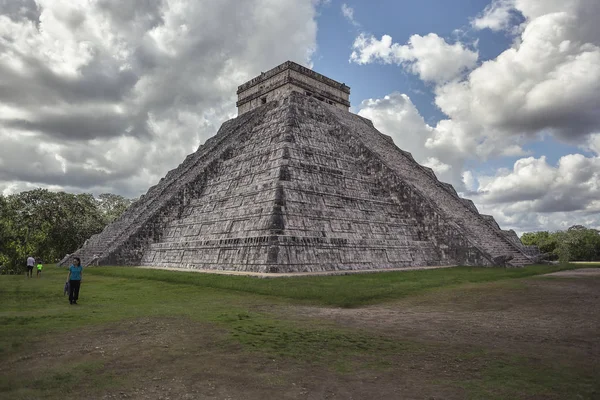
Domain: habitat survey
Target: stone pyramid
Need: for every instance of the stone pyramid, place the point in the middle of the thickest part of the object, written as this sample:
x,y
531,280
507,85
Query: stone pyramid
x,y
297,183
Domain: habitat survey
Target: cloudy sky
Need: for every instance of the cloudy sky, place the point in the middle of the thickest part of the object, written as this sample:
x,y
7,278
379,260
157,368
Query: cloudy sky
x,y
501,98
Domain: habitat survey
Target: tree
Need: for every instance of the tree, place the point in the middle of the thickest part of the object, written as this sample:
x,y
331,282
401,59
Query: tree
x,y
112,206
583,244
544,240
74,219
50,225
7,239
577,243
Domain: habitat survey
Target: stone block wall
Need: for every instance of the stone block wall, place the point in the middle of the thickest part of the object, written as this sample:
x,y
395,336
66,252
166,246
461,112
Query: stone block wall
x,y
285,78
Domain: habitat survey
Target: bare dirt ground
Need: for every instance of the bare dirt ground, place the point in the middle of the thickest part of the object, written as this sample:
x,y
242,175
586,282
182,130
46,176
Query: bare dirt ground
x,y
534,315
577,273
546,319
177,359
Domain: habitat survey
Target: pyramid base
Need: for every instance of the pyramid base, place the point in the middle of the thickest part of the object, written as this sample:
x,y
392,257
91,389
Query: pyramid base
x,y
295,274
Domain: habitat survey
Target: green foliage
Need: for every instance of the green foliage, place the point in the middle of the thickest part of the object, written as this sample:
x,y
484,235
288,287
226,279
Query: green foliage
x,y
583,244
546,241
112,206
575,244
49,225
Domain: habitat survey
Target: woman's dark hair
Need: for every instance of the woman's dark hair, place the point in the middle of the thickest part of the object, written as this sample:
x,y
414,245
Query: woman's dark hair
x,y
78,260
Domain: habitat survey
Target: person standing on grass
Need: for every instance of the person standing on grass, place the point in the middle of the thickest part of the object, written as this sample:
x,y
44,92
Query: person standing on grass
x,y
39,268
74,279
30,264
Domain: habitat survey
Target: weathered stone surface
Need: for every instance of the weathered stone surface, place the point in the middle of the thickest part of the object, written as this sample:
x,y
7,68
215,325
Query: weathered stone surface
x,y
502,261
531,251
288,77
301,185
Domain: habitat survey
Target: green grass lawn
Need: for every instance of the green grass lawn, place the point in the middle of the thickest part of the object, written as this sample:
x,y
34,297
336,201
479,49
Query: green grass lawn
x,y
342,290
249,312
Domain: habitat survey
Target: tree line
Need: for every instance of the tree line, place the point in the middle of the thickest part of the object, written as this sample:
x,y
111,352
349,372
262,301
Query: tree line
x,y
577,243
49,225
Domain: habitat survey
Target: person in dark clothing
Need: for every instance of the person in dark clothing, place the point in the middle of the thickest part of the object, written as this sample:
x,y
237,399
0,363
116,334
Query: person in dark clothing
x,y
74,278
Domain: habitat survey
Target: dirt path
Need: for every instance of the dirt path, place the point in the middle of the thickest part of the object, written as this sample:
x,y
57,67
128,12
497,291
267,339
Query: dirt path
x,y
174,358
577,273
535,316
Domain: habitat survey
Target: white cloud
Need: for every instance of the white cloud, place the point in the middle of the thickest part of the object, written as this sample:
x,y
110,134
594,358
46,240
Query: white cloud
x,y
594,143
547,83
348,13
109,95
436,165
469,180
497,16
529,180
397,116
535,191
430,56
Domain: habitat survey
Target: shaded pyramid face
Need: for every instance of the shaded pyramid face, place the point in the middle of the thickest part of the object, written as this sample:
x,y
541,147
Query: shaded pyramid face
x,y
297,185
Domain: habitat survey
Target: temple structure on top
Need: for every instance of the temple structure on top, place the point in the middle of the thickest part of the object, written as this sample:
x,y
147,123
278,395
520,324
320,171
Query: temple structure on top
x,y
290,77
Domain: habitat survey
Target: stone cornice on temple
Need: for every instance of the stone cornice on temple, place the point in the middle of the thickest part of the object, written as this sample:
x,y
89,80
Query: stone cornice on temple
x,y
295,67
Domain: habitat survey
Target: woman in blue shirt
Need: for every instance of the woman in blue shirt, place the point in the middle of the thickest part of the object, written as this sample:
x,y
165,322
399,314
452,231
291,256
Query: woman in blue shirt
x,y
74,279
